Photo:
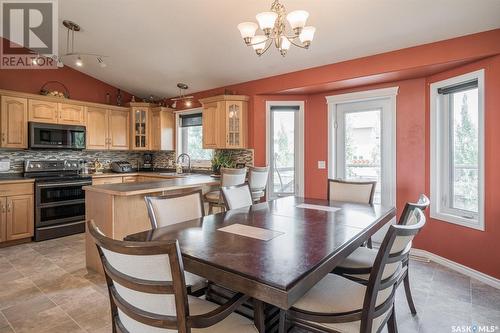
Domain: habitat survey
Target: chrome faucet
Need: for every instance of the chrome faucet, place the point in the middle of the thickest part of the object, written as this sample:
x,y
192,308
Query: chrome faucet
x,y
189,160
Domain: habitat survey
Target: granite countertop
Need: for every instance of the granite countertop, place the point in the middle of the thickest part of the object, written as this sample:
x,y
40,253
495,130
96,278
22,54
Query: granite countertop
x,y
148,173
170,183
7,178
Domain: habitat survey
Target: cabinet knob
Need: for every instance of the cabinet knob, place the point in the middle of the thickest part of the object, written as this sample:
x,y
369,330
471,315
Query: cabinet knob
x,y
3,208
9,207
3,137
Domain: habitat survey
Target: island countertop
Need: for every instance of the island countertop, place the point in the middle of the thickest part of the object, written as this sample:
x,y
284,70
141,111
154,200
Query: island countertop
x,y
170,183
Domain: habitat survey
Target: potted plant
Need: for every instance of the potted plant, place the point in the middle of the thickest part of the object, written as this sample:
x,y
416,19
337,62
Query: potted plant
x,y
222,159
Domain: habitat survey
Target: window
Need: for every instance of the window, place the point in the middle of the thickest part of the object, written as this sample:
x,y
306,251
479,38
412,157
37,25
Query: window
x,y
457,141
190,138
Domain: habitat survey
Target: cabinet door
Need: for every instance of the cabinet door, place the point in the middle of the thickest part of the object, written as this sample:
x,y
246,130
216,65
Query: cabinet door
x,y
42,111
210,124
119,130
155,141
20,222
14,122
3,219
71,114
234,124
140,128
97,128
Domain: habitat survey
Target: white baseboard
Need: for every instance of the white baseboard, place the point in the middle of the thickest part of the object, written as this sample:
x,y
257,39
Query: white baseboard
x,y
487,279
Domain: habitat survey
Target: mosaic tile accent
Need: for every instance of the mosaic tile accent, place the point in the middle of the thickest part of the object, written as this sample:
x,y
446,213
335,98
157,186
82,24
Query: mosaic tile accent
x,y
161,160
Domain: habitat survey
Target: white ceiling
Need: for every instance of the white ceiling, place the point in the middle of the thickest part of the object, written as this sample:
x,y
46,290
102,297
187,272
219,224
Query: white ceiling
x,y
153,44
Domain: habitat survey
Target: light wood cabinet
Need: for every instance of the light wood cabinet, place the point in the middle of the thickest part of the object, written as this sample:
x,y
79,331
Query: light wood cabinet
x,y
14,122
16,211
20,217
162,129
130,179
71,114
119,129
225,122
3,219
97,129
107,129
140,122
107,180
42,111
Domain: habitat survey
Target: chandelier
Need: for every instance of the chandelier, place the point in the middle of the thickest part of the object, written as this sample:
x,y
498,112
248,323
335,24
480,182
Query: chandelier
x,y
274,27
72,27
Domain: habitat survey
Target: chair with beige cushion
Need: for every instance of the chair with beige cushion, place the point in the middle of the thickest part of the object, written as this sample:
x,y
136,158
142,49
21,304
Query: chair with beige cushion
x,y
147,291
257,180
229,177
352,191
337,304
166,210
358,265
237,196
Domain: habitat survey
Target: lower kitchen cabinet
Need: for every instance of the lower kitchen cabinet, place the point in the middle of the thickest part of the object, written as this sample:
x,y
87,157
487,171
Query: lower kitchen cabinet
x,y
16,212
107,180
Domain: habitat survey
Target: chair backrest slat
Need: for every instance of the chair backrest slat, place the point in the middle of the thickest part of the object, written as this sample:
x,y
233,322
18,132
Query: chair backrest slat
x,y
257,178
351,191
171,209
237,196
388,270
145,282
232,177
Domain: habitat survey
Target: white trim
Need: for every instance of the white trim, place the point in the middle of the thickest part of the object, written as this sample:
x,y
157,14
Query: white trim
x,y
436,209
194,163
389,132
300,171
362,95
487,279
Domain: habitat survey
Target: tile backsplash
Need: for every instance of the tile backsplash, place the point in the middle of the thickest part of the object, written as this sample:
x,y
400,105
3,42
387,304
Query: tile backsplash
x,y
163,159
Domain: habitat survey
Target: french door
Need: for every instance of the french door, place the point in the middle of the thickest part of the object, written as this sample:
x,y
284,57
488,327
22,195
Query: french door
x,y
284,151
364,145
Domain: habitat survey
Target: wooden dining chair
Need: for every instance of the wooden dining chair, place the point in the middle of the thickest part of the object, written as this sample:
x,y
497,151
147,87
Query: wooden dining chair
x,y
166,210
358,265
237,196
352,191
257,180
337,304
147,290
229,177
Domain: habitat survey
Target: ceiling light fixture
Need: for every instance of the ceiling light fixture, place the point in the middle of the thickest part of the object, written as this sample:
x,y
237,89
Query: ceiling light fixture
x,y
72,27
187,99
273,25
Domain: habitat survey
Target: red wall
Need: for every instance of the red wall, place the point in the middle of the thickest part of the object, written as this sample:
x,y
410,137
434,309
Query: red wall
x,y
81,86
463,245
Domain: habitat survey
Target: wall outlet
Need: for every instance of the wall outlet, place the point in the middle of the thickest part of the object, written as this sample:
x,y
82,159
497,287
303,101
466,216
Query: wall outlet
x,y
321,164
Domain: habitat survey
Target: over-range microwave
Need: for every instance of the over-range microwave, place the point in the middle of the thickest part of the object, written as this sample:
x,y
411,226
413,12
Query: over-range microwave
x,y
56,136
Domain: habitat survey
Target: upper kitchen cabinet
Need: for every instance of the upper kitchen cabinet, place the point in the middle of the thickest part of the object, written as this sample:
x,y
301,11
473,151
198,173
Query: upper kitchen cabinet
x,y
42,111
108,129
225,121
14,122
71,114
140,123
162,129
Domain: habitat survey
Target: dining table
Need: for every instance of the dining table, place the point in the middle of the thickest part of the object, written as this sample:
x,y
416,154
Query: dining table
x,y
273,251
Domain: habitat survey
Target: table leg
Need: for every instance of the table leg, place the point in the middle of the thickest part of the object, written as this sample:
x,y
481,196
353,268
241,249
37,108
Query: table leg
x,y
259,316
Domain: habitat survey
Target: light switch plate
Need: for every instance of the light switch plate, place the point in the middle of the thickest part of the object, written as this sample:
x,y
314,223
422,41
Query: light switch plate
x,y
321,165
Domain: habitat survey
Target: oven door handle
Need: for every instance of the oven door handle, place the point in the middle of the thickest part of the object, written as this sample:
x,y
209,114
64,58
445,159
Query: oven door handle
x,y
63,184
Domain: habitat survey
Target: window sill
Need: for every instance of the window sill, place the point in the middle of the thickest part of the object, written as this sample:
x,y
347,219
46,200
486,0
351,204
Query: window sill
x,y
458,220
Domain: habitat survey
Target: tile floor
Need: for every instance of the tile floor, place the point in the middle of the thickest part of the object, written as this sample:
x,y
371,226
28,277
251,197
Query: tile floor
x,y
44,287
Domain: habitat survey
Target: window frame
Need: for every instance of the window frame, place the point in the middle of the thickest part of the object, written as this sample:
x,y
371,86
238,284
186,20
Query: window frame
x,y
441,153
178,144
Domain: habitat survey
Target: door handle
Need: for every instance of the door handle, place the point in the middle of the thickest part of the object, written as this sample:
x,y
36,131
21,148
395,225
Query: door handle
x,y
9,207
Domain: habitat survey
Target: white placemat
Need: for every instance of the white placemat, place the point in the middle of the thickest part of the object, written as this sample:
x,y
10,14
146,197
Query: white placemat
x,y
252,232
318,207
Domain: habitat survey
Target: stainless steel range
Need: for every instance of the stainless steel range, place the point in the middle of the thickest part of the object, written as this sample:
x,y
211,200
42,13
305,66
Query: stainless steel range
x,y
59,198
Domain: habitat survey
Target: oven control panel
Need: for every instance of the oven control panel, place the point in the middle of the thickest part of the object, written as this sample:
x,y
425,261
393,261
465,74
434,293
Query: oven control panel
x,y
51,165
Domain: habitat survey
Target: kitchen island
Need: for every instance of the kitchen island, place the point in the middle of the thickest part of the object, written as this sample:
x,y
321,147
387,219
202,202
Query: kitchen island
x,y
120,210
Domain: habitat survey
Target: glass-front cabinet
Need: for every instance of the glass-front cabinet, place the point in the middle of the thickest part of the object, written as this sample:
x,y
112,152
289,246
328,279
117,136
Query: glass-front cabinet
x,y
225,122
234,124
140,126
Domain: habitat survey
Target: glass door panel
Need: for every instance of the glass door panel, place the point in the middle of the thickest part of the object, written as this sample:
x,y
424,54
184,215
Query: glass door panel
x,y
234,123
283,152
